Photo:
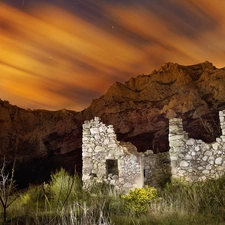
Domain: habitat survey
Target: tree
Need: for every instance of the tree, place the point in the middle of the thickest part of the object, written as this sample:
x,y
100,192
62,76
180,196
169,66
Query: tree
x,y
7,188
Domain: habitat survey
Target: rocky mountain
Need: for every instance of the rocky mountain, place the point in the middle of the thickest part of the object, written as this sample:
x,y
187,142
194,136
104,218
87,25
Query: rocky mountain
x,y
139,110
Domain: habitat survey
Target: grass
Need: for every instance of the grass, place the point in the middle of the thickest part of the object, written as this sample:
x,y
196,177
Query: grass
x,y
63,201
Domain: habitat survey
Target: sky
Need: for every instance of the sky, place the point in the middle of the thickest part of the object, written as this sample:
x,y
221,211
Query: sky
x,y
57,54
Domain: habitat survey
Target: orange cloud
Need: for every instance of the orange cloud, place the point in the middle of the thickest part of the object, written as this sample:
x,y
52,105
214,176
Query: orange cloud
x,y
52,59
163,38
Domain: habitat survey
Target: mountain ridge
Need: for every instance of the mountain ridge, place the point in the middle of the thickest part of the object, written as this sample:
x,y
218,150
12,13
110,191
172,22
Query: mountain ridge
x,y
139,110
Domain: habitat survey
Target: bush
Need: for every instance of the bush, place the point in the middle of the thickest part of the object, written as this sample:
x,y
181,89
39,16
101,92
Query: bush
x,y
62,188
138,200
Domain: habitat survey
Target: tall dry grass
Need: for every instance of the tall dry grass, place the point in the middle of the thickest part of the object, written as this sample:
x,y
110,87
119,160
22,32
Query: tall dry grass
x,y
63,201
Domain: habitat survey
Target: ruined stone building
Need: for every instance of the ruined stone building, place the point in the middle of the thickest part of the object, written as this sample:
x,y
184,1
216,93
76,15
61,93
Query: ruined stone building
x,y
106,159
196,160
120,164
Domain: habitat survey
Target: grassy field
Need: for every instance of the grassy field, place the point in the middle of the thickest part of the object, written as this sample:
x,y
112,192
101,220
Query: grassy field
x,y
63,201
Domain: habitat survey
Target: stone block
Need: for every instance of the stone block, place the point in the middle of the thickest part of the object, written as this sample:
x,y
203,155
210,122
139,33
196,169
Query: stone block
x,y
216,146
112,135
180,149
178,143
221,114
112,145
173,157
190,141
106,141
206,146
99,149
86,137
148,152
90,150
86,154
197,148
199,142
94,130
86,132
92,139
188,157
208,167
184,163
211,161
97,137
218,161
202,163
223,138
112,182
110,130
208,153
176,137
86,124
102,129
112,140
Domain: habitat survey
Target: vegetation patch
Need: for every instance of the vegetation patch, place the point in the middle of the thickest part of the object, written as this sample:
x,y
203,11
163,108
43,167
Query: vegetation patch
x,y
64,201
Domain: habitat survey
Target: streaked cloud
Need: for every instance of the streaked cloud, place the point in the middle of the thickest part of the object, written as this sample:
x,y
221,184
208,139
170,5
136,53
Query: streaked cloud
x,y
55,58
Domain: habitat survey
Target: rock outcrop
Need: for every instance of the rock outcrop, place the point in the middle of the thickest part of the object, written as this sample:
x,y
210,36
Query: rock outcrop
x,y
39,141
139,110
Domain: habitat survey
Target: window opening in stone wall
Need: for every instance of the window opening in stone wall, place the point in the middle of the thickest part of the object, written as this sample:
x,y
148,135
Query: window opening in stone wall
x,y
144,173
112,167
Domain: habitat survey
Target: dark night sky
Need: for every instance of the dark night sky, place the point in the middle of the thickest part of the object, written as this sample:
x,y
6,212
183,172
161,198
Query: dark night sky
x,y
63,53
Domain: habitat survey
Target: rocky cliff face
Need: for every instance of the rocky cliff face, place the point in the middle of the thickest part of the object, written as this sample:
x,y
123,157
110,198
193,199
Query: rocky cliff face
x,y
139,110
39,141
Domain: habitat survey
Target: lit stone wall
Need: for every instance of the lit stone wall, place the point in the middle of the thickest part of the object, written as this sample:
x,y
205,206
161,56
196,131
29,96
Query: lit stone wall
x,y
106,159
119,163
194,159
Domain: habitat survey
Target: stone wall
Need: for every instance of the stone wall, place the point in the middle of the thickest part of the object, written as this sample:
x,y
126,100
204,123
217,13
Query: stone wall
x,y
106,159
194,159
120,164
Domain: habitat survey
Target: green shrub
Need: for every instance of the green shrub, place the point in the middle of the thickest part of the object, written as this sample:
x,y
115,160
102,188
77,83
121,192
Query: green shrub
x,y
138,200
61,188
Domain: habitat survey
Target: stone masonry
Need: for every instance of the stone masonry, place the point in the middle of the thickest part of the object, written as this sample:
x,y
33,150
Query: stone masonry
x,y
196,160
106,159
120,164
